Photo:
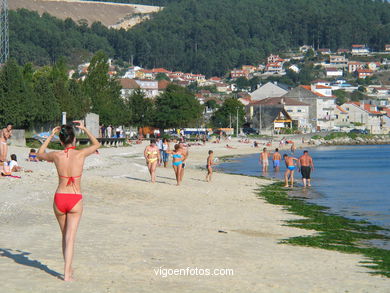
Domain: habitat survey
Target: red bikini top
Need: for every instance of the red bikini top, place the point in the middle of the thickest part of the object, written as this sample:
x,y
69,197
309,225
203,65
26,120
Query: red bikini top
x,y
71,178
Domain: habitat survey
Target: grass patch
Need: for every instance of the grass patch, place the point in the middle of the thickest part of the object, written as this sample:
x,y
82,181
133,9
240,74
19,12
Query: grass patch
x,y
333,232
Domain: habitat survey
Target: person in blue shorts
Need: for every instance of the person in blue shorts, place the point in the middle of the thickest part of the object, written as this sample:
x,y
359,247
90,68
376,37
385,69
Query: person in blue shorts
x,y
276,158
290,168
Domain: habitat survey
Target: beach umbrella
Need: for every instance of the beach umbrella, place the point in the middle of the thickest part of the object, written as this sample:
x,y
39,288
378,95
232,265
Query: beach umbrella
x,y
44,135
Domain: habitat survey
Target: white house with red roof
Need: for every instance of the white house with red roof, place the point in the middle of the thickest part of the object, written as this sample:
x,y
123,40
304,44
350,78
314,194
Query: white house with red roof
x,y
324,51
321,104
367,114
341,117
364,73
387,48
236,73
333,72
355,65
359,49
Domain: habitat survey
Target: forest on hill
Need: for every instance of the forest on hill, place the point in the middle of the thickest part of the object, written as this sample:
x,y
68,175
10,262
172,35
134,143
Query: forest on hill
x,y
207,36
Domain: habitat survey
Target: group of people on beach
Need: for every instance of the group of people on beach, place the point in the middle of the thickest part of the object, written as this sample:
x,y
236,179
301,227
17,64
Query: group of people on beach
x,y
304,164
158,151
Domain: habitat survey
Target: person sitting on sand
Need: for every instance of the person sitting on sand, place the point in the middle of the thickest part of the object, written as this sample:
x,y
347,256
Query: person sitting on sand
x,y
152,156
290,167
209,165
178,154
230,147
32,156
68,203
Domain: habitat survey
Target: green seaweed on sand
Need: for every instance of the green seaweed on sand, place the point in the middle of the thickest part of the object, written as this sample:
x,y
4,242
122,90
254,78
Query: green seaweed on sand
x,y
333,232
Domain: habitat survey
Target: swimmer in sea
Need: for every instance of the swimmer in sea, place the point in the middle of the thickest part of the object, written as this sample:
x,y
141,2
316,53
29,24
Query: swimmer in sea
x,y
290,167
276,158
264,155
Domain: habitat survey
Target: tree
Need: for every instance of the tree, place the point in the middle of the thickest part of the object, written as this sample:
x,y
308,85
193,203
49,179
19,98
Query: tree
x,y
341,97
141,109
15,95
177,107
104,92
228,113
242,83
162,76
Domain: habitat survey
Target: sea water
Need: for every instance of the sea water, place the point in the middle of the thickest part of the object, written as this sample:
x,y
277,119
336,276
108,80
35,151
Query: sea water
x,y
353,181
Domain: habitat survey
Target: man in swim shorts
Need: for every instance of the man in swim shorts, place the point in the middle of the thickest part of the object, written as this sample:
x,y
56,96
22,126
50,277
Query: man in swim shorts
x,y
306,165
290,168
264,159
276,158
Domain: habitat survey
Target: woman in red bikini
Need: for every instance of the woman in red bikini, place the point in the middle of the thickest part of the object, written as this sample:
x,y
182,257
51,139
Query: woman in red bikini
x,y
68,204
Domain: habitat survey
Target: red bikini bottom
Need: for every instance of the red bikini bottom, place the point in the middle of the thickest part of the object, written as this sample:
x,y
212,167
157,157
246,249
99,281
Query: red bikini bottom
x,y
66,201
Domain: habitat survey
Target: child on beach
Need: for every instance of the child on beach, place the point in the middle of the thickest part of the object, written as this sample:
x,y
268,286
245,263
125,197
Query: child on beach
x,y
290,167
209,165
32,156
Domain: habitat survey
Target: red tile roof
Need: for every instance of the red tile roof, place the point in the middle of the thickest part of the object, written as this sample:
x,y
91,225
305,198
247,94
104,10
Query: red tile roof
x,y
367,107
341,109
308,87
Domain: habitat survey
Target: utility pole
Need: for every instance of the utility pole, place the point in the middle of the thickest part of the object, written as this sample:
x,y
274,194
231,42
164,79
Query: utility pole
x,y
230,120
260,126
237,122
4,43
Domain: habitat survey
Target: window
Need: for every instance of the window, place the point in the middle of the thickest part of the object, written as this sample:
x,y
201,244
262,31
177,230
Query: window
x,y
299,110
290,111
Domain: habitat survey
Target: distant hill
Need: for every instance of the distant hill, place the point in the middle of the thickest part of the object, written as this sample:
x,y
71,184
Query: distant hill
x,y
213,36
115,15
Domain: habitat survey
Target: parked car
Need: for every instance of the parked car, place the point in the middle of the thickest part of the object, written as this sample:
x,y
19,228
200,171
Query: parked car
x,y
249,130
359,131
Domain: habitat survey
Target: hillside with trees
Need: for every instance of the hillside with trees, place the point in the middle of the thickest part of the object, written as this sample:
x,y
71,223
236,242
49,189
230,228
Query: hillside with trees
x,y
209,36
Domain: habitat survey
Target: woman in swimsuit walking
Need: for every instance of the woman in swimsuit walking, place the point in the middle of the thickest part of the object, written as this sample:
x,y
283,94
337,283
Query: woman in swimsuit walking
x,y
152,156
68,204
178,154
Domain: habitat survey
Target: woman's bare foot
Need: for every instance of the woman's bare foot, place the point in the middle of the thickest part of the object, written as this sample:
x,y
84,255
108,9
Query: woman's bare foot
x,y
286,186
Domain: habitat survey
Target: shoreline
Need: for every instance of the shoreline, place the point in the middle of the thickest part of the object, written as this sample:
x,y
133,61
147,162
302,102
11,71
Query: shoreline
x,y
131,227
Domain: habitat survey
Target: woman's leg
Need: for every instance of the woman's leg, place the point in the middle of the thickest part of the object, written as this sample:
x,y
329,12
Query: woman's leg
x,y
72,223
3,152
61,218
175,169
153,171
150,170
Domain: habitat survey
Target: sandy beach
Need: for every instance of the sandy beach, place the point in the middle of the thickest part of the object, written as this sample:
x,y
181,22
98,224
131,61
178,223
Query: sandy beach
x,y
132,230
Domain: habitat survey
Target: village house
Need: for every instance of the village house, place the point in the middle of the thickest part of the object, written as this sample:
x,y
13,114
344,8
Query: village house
x,y
355,65
324,51
131,72
333,72
249,68
321,104
343,51
298,111
367,115
152,88
268,119
269,90
387,48
374,66
128,87
364,73
338,61
341,117
274,67
360,50
236,73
